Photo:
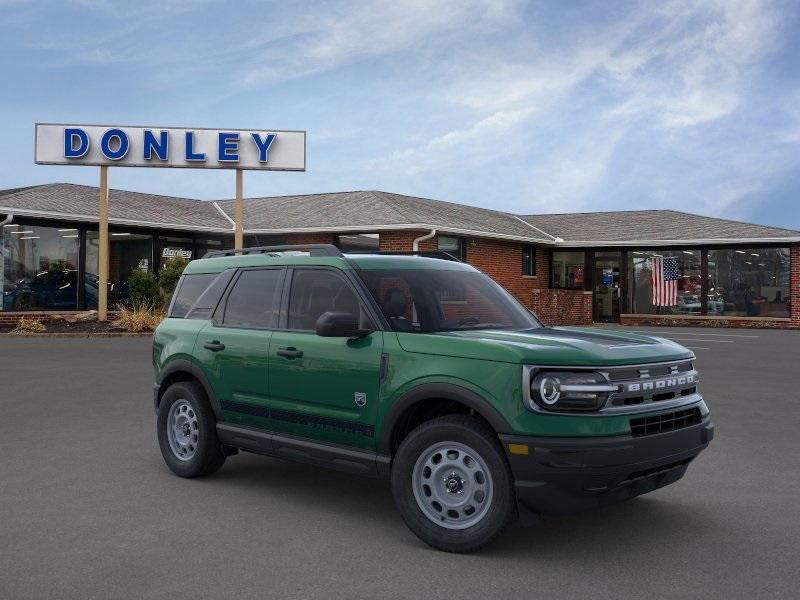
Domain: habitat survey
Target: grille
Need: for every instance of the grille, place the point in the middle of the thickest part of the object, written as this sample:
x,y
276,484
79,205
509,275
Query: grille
x,y
634,373
656,470
666,422
652,384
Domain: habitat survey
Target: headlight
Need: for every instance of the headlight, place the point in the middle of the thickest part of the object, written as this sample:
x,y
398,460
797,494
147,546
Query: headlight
x,y
569,390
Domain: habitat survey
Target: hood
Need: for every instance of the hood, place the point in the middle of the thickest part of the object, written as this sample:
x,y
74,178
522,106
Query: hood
x,y
548,346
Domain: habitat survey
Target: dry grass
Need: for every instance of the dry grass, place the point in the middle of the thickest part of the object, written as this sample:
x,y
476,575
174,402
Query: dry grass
x,y
138,318
26,325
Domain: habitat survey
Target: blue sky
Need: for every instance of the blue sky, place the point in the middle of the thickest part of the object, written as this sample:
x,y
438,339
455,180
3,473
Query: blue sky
x,y
556,106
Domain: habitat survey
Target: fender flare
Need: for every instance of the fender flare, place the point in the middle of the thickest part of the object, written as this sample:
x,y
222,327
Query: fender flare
x,y
444,391
186,366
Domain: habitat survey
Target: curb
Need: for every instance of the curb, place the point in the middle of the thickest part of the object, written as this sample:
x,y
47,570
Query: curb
x,y
121,334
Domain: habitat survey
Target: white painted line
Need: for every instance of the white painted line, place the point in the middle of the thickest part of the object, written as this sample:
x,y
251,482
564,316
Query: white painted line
x,y
665,332
698,333
697,348
701,340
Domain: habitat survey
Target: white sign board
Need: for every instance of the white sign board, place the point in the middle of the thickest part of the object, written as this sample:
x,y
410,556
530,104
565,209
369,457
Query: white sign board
x,y
182,147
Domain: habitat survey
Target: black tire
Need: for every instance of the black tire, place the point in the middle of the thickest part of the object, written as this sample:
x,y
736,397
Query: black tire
x,y
208,455
475,434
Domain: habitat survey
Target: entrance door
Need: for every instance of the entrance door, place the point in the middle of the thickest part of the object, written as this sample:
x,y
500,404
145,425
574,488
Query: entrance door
x,y
607,286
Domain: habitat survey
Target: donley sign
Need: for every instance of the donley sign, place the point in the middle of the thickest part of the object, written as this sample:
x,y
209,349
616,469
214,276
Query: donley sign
x,y
178,147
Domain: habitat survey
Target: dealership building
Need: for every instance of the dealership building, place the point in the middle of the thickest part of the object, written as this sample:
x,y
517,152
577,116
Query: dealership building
x,y
633,267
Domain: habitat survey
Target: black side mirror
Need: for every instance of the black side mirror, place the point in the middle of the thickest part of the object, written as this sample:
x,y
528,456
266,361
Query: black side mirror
x,y
339,324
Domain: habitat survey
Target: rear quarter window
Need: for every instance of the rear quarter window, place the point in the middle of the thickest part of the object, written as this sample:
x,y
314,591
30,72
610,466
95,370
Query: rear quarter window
x,y
189,289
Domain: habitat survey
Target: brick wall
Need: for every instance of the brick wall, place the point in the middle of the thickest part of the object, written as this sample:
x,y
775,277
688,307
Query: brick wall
x,y
398,241
794,283
13,317
311,238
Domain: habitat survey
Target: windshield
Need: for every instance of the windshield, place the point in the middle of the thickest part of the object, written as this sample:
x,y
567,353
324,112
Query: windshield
x,y
430,301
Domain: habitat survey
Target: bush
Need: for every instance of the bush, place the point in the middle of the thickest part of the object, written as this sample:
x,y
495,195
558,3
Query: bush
x,y
143,288
139,317
169,275
26,325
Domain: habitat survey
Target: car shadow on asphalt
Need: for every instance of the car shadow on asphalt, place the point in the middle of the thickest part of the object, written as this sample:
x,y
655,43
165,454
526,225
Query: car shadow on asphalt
x,y
644,522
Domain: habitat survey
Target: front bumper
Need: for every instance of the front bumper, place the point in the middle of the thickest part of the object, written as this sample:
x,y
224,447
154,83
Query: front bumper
x,y
568,475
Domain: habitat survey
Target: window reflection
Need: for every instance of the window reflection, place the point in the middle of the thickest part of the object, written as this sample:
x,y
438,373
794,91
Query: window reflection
x,y
359,242
666,282
128,251
747,282
568,270
39,268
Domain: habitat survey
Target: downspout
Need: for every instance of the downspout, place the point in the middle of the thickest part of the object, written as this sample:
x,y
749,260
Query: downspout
x,y
427,236
7,220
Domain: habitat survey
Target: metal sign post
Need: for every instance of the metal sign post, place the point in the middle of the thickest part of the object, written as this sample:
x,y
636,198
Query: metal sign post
x,y
176,147
238,236
103,253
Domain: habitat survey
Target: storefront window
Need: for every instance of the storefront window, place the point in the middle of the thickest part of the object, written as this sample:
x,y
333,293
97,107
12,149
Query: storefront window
x,y
128,251
666,282
359,242
453,246
176,247
747,282
39,268
568,269
209,245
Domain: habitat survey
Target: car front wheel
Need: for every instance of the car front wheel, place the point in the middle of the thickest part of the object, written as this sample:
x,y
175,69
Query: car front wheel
x,y
452,484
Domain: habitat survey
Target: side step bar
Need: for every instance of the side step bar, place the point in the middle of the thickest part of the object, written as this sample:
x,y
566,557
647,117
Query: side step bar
x,y
360,462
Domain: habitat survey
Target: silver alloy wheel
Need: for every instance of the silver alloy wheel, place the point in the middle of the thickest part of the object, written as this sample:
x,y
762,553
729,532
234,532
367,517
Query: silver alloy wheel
x,y
452,485
183,430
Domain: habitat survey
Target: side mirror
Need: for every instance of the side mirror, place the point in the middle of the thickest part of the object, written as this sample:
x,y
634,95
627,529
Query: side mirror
x,y
339,324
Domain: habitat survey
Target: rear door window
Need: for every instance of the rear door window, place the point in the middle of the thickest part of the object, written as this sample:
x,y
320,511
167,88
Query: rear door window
x,y
188,291
204,307
254,300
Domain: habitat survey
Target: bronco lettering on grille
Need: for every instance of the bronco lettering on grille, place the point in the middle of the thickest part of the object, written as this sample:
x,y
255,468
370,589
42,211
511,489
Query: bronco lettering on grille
x,y
660,384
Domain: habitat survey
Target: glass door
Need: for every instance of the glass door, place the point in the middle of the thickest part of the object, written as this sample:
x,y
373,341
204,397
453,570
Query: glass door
x,y
607,286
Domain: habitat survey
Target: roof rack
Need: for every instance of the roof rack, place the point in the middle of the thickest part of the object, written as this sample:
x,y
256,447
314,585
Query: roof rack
x,y
313,250
425,253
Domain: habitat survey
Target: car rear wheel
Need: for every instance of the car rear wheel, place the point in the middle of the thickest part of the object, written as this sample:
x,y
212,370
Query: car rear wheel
x,y
187,433
452,484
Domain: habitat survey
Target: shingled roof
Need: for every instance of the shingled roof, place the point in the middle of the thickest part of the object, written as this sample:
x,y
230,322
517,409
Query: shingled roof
x,y
374,210
364,211
79,202
638,226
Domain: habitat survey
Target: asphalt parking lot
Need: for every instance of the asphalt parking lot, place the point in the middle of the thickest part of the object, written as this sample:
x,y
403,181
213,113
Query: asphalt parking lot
x,y
88,509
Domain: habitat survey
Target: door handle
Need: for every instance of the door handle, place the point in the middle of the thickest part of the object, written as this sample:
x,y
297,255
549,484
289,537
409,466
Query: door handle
x,y
290,352
214,346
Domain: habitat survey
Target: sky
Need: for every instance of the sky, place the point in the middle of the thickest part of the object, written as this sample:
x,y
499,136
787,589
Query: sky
x,y
529,107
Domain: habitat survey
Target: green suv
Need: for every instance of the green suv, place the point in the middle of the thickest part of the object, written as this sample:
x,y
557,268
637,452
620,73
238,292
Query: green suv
x,y
423,371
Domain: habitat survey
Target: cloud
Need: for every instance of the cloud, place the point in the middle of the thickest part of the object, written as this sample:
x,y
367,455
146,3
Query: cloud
x,y
338,35
463,146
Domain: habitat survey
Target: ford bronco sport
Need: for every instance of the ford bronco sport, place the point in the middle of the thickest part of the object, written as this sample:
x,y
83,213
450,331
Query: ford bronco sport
x,y
423,371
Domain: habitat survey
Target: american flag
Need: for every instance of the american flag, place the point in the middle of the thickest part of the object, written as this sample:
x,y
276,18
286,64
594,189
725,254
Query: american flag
x,y
664,279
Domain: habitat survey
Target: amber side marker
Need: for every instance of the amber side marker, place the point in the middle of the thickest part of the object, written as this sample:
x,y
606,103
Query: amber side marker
x,y
518,448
